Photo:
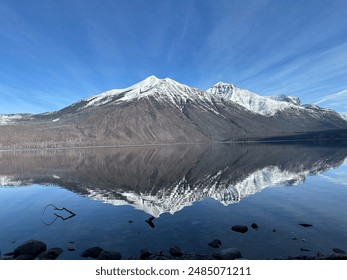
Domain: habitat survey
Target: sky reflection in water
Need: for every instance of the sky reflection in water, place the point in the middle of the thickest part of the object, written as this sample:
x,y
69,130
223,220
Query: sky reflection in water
x,y
196,194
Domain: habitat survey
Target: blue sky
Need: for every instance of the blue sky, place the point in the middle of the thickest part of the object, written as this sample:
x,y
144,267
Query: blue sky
x,y
56,52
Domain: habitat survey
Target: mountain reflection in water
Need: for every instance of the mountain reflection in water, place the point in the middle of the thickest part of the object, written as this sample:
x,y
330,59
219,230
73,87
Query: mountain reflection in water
x,y
165,179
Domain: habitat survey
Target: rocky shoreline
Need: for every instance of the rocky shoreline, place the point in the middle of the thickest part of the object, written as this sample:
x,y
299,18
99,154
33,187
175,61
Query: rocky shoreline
x,y
37,250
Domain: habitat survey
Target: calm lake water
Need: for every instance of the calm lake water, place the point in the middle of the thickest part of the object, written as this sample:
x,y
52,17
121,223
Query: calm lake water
x,y
195,194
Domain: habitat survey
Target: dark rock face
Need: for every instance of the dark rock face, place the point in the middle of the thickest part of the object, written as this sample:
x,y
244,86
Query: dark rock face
x,y
240,228
30,247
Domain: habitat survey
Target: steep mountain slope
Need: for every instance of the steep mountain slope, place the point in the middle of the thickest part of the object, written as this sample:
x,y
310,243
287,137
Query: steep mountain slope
x,y
156,111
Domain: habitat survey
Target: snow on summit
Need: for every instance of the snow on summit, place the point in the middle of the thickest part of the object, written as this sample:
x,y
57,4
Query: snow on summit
x,y
177,94
267,106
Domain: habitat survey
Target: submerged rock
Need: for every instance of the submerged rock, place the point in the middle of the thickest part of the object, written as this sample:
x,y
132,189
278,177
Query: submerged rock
x,y
71,248
228,254
30,247
92,252
254,226
109,255
339,251
50,254
306,225
240,228
25,257
176,251
215,243
145,254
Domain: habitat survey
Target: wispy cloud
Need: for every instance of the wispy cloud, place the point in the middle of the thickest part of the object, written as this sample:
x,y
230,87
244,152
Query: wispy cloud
x,y
73,49
333,97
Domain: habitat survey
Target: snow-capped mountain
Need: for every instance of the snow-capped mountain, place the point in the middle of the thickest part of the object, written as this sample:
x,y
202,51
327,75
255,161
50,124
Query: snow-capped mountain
x,y
267,106
156,111
286,98
165,179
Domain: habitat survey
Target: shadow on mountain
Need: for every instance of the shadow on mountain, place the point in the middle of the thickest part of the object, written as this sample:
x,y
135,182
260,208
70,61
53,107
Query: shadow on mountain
x,y
159,179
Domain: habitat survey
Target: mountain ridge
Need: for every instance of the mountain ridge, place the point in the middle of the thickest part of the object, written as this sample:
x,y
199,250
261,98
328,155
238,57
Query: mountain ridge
x,y
163,111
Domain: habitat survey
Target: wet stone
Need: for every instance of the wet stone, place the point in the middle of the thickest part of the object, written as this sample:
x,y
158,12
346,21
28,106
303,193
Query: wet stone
x,y
240,228
71,248
176,251
339,251
109,255
254,226
30,247
50,254
215,243
92,252
145,254
228,254
25,257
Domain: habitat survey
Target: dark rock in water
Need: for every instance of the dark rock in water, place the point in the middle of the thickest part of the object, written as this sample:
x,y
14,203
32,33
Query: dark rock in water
x,y
71,248
339,251
25,257
50,254
215,243
130,221
254,226
30,247
176,251
304,250
145,254
228,254
93,252
273,230
109,255
240,228
306,225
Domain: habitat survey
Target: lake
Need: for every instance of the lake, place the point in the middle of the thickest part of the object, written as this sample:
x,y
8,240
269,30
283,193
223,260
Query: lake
x,y
191,194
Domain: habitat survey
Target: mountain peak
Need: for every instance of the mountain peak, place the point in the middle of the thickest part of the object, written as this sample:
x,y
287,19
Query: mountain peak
x,y
223,84
147,83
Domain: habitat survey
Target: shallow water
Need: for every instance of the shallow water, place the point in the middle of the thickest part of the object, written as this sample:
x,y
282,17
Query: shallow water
x,y
196,193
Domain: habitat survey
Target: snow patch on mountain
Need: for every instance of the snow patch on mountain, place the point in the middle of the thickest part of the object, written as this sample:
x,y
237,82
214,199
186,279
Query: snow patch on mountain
x,y
167,90
286,98
183,194
267,106
179,95
9,119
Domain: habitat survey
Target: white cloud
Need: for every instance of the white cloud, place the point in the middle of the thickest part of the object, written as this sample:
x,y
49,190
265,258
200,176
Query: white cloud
x,y
333,97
